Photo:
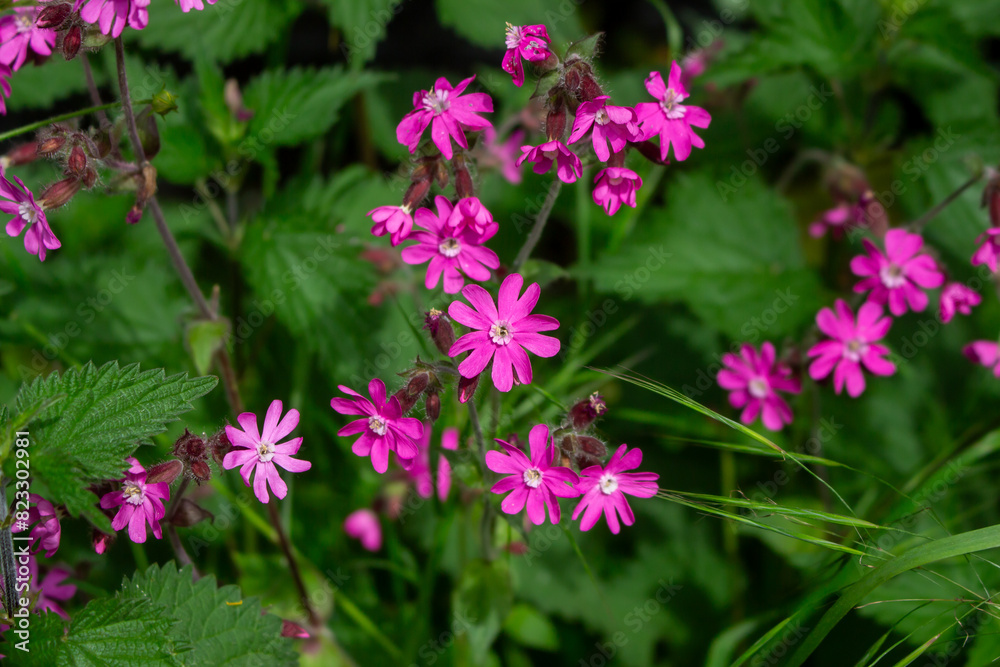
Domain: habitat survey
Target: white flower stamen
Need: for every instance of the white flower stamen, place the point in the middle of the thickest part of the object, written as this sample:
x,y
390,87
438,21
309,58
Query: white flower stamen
x,y
532,478
892,276
436,101
134,493
855,349
450,247
758,387
500,332
608,484
671,104
378,425
265,452
27,212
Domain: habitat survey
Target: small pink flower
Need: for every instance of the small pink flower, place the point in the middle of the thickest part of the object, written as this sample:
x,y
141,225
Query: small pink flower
x,y
51,590
669,118
383,427
616,186
262,452
604,490
419,467
898,275
113,15
851,346
188,5
611,124
753,381
837,219
21,204
985,353
449,440
503,155
101,541
451,251
140,503
393,220
989,249
470,212
535,482
363,526
568,166
502,335
956,297
448,112
47,531
18,33
4,88
529,42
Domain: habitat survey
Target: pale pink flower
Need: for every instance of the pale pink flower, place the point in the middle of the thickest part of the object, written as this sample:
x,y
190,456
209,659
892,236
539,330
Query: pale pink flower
x,y
112,16
568,166
989,249
503,155
188,5
261,452
363,526
140,503
27,213
451,251
957,298
18,34
419,467
383,427
524,41
448,112
616,186
753,381
470,212
611,124
852,346
502,334
604,490
534,482
449,440
670,119
393,220
984,352
897,275
47,531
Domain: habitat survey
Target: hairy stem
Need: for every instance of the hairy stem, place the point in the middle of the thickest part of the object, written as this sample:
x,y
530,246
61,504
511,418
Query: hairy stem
x,y
921,222
56,119
7,556
536,231
489,514
293,566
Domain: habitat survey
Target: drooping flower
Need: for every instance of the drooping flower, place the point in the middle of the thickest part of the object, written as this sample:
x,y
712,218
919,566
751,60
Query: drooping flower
x,y
957,298
393,220
140,503
448,112
670,119
383,427
611,124
534,482
753,381
27,213
470,212
47,531
985,353
4,88
988,252
530,42
898,275
451,251
503,154
113,15
837,220
604,490
19,32
188,5
851,346
568,166
502,334
616,186
363,526
419,467
262,451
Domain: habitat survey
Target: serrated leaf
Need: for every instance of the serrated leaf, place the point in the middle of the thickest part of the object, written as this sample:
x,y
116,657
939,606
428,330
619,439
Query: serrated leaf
x,y
362,24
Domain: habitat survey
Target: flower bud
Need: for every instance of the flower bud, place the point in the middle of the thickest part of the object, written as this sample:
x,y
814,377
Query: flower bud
x,y
189,514
53,16
418,383
294,630
416,193
555,121
585,412
71,42
164,102
90,178
51,145
76,164
200,471
234,101
650,151
406,401
466,388
59,193
432,406
20,154
441,330
219,446
101,541
189,446
167,472
589,88
592,446
149,134
463,182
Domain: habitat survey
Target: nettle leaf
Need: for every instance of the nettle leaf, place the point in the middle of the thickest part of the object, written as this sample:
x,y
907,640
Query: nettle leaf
x,y
482,21
217,625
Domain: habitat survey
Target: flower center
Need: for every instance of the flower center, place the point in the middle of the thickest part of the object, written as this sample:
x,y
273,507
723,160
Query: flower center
x,y
601,117
854,349
25,22
671,104
532,477
378,425
134,493
27,212
609,484
615,180
500,332
550,154
265,452
436,101
758,387
514,36
450,247
892,276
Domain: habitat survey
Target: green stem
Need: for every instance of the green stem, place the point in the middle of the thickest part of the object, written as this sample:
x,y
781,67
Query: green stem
x,y
921,222
58,119
536,230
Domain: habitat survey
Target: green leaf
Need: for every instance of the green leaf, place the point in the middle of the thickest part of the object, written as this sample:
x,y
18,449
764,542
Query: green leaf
x,y
40,86
362,23
585,48
483,22
204,339
481,601
528,626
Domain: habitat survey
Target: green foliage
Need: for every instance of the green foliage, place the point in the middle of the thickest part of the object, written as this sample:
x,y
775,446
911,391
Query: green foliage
x,y
482,22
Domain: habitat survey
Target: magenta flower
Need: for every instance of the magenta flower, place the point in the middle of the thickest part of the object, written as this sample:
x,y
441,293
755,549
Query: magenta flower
x,y
363,526
524,41
140,503
27,213
989,249
449,440
51,590
18,33
669,118
753,381
47,531
956,297
534,482
898,275
4,88
112,15
419,467
604,490
383,427
616,186
503,155
503,334
451,251
852,345
611,124
261,452
568,166
837,220
188,5
393,220
470,212
985,353
448,112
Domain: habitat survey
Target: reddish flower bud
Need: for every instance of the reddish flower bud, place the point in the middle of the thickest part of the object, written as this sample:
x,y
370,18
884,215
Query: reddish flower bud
x,y
463,183
51,145
432,406
200,471
90,178
289,629
189,446
219,446
572,79
416,193
590,89
59,193
585,412
591,446
20,154
441,330
466,388
167,472
189,514
418,383
71,42
406,401
555,122
53,16
149,134
76,164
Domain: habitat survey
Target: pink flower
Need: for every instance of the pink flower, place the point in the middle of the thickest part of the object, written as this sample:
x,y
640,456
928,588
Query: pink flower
x,y
112,15
383,428
451,251
616,125
21,204
529,42
261,452
669,118
419,467
188,5
363,525
448,112
837,220
4,88
502,333
604,489
470,212
984,352
956,297
568,166
616,186
45,535
140,503
535,482
897,275
449,440
852,345
989,249
393,220
754,380
18,33
51,590
503,154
